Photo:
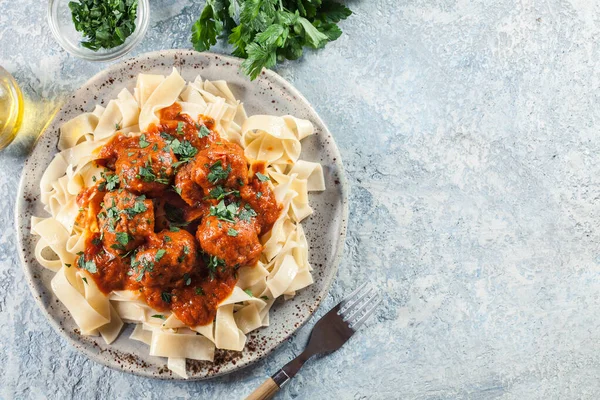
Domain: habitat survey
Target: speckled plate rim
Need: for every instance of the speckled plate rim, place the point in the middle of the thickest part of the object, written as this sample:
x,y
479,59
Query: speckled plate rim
x,y
20,208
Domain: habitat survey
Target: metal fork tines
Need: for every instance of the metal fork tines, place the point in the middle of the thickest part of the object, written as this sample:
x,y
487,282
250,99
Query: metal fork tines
x,y
358,306
329,334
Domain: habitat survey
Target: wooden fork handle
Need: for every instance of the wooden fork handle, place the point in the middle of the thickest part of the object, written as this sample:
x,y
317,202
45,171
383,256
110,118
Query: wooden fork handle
x,y
264,391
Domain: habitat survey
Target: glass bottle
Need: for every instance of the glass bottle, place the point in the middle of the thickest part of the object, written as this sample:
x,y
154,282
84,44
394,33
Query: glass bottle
x,y
11,108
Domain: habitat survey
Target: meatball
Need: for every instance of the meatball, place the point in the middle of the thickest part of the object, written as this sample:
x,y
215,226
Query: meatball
x,y
222,163
168,260
262,200
235,243
125,221
148,168
189,190
110,151
183,127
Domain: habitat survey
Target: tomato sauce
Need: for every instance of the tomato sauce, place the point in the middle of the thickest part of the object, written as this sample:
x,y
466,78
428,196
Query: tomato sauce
x,y
176,213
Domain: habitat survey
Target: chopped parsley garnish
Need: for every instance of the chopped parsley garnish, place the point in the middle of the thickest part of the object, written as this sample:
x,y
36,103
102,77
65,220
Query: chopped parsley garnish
x,y
203,131
184,150
262,178
248,292
141,267
246,213
166,297
173,229
138,207
264,298
200,291
96,241
85,280
167,238
155,147
104,24
232,232
146,173
123,238
223,212
159,254
117,126
212,263
187,279
117,246
143,142
177,190
89,266
112,181
219,193
180,126
159,316
258,195
166,137
217,172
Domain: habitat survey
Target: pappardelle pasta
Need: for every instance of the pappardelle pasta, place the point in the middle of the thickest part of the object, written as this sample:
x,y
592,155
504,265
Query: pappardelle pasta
x,y
172,209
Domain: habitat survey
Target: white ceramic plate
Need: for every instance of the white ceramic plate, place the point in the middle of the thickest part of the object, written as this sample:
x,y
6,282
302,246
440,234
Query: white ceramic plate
x,y
325,229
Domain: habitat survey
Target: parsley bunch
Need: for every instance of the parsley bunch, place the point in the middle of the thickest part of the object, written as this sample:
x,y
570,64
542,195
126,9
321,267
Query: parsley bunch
x,y
104,23
265,32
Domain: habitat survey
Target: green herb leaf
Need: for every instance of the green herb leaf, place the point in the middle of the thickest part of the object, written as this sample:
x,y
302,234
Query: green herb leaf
x,y
247,213
219,193
159,254
142,142
248,292
104,24
332,11
259,57
200,291
206,29
203,132
112,181
232,232
159,316
123,238
267,31
262,178
166,297
180,126
223,212
217,173
89,266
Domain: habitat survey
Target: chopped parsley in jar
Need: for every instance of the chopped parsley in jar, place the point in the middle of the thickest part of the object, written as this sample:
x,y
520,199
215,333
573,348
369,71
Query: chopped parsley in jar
x,y
104,23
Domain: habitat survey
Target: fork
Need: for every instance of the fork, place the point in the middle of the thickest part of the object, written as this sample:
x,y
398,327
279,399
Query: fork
x,y
329,334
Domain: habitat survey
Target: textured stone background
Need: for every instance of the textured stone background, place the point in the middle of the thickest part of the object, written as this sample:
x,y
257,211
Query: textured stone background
x,y
468,133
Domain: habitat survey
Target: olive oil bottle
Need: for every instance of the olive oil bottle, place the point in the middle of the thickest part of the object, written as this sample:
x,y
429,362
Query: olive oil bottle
x,y
11,108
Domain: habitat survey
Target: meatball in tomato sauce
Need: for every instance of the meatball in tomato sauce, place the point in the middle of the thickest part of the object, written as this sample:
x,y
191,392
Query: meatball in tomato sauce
x,y
236,244
222,163
168,260
125,220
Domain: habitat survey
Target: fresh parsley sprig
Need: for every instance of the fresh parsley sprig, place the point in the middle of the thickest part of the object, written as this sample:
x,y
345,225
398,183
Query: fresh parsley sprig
x,y
265,32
